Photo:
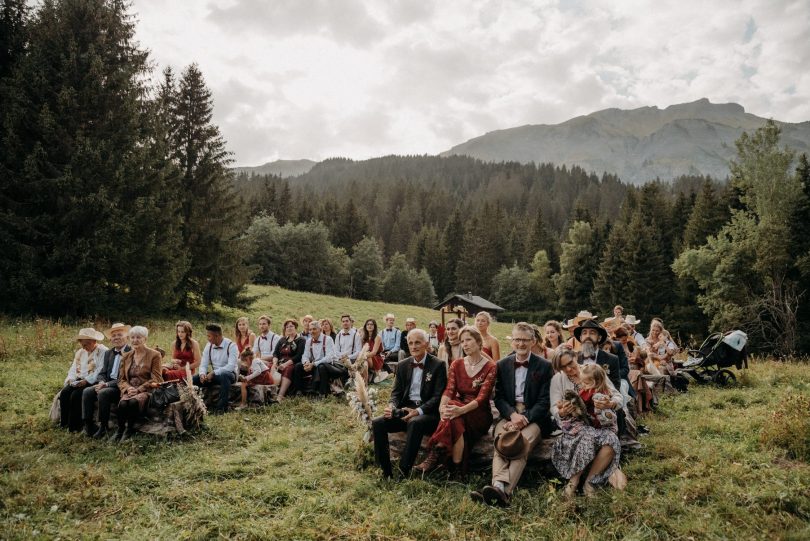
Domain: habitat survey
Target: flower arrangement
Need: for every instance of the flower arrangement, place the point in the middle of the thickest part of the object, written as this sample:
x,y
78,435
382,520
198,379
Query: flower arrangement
x,y
363,403
477,382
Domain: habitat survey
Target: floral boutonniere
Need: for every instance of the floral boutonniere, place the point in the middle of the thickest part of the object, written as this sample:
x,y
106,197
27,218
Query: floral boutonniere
x,y
477,382
428,376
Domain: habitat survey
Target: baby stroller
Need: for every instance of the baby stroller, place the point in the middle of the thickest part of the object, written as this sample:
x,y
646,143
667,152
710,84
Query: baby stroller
x,y
712,361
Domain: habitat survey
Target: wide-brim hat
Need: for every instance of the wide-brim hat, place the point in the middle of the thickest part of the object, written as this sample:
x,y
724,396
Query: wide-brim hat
x,y
510,444
90,334
591,324
612,324
116,327
631,320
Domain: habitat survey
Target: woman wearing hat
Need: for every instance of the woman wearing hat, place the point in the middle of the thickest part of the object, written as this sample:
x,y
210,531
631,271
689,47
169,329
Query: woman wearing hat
x,y
87,363
140,374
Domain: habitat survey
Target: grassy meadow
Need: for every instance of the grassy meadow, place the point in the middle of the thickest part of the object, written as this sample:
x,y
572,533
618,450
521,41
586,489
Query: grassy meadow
x,y
719,463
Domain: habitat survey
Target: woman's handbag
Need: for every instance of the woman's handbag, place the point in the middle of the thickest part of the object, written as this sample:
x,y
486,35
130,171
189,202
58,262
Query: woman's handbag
x,y
163,396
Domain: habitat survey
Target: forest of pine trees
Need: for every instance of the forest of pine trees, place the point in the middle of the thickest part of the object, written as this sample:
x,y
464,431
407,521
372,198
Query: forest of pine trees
x,y
117,198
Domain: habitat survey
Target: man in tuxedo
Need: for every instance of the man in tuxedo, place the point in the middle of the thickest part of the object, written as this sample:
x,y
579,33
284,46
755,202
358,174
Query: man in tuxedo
x,y
522,399
105,391
414,406
592,335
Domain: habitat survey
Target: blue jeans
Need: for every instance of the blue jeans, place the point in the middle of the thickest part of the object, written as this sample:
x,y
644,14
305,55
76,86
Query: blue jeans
x,y
224,380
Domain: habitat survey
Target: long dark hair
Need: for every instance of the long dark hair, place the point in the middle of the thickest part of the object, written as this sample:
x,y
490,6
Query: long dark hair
x,y
449,348
366,337
186,327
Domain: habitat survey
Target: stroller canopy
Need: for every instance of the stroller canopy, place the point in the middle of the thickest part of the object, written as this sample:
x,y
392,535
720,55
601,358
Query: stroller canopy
x,y
736,339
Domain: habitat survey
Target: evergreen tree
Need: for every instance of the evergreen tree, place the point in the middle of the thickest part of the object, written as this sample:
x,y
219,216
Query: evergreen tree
x,y
510,287
541,239
89,212
366,270
404,285
454,243
542,286
350,227
212,219
612,283
708,215
578,262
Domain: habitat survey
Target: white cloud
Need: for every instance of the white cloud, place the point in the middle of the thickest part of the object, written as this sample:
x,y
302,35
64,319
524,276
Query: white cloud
x,y
359,78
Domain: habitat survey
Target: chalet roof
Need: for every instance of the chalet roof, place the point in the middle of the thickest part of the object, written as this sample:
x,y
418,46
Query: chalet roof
x,y
469,298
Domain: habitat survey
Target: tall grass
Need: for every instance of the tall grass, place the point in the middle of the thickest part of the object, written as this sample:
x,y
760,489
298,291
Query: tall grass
x,y
299,470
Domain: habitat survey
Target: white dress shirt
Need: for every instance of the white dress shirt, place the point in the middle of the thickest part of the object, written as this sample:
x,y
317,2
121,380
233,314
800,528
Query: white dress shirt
x,y
80,368
415,392
520,380
320,351
222,358
265,345
348,343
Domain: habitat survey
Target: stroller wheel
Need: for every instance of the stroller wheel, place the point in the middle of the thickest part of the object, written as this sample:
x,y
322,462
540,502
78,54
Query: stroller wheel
x,y
724,377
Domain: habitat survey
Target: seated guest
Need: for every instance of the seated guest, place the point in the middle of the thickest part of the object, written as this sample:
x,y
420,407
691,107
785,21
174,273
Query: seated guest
x,y
588,441
327,329
637,337
287,355
260,373
243,337
464,408
592,336
410,324
317,366
305,321
617,318
219,365
492,348
266,342
391,337
640,391
186,352
538,348
661,348
433,338
414,405
521,396
88,361
554,337
349,343
373,342
105,390
573,342
140,374
451,347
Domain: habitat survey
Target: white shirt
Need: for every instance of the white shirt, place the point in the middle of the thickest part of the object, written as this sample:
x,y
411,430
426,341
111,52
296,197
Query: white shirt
x,y
222,358
257,367
520,380
113,375
322,351
415,393
265,345
79,369
639,339
348,343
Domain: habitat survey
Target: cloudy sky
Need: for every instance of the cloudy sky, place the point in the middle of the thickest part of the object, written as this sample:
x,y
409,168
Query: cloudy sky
x,y
362,78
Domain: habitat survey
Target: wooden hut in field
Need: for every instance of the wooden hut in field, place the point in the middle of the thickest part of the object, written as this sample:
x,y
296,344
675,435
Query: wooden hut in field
x,y
464,306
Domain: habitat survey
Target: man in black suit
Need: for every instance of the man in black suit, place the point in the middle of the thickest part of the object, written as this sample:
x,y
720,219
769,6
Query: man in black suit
x,y
106,388
522,399
592,335
414,405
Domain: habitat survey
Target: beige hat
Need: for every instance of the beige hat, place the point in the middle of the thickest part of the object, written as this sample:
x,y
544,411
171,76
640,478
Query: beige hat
x,y
631,320
90,334
410,320
116,327
510,444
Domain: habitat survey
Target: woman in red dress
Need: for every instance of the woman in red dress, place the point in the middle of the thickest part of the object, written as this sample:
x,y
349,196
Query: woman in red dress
x,y
243,336
186,352
372,339
465,411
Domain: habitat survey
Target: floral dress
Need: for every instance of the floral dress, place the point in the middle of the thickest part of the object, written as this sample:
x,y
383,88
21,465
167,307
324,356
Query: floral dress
x,y
578,445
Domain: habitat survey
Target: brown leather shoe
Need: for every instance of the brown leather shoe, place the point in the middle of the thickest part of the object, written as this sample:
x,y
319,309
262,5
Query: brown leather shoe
x,y
495,496
434,460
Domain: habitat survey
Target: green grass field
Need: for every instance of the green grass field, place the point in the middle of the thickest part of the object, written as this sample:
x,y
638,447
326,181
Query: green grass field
x,y
299,470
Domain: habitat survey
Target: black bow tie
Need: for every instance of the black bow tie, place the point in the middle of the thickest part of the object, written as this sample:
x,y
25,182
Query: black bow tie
x,y
417,364
521,364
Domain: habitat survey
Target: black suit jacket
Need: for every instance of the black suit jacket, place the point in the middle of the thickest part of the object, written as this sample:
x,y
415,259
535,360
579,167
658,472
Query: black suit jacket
x,y
535,393
624,364
109,362
434,380
403,344
610,363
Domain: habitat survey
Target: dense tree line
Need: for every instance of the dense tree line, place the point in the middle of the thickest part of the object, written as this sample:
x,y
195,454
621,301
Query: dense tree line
x,y
116,195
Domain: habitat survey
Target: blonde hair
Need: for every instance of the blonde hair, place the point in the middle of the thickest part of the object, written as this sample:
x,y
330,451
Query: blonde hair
x,y
329,322
597,374
237,332
486,316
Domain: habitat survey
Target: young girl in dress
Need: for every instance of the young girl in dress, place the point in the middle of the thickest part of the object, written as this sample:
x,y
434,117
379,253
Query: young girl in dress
x,y
259,373
593,386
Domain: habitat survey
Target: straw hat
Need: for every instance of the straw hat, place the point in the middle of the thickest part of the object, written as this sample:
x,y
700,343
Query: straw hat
x,y
510,444
116,327
90,334
631,320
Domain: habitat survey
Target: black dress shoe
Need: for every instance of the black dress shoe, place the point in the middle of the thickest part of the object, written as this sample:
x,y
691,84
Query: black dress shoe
x,y
101,433
477,496
495,496
90,428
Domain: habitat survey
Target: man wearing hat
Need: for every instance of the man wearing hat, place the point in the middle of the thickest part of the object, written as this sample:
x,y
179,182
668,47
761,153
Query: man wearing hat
x,y
592,335
87,362
105,390
572,324
637,337
522,399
